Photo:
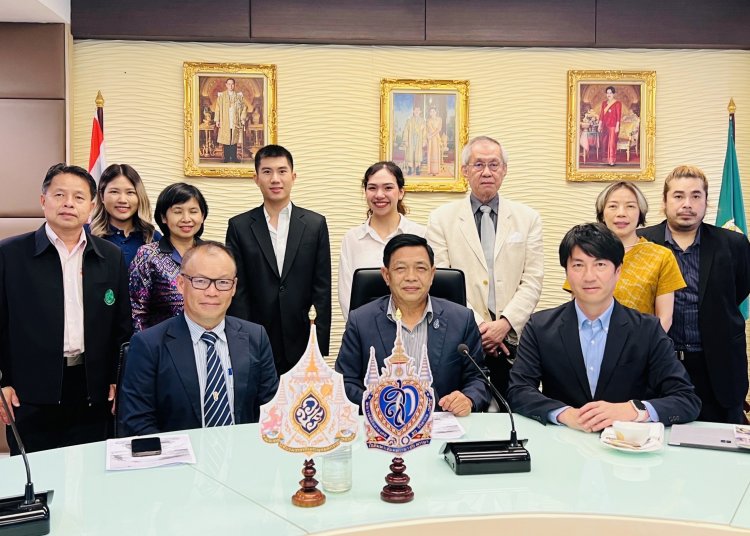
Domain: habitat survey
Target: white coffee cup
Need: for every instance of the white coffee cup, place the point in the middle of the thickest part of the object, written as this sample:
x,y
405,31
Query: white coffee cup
x,y
633,432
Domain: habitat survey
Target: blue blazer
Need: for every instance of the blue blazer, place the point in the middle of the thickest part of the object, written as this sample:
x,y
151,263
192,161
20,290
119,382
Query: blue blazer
x,y
451,325
160,390
639,363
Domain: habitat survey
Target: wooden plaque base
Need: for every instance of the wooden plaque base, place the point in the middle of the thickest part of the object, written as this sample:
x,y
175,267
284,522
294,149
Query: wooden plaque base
x,y
308,495
397,489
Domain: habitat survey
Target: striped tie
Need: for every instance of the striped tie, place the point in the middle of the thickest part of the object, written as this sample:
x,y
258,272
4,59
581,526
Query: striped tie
x,y
215,399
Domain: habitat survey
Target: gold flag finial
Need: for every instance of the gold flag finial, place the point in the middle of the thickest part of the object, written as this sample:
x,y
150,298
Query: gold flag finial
x,y
99,100
312,314
731,108
398,314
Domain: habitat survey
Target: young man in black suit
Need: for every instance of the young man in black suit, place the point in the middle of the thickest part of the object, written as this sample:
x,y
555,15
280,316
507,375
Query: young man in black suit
x,y
597,361
64,312
283,259
708,329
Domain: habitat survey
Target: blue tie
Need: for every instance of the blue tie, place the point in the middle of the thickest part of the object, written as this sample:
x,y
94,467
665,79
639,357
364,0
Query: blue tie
x,y
215,399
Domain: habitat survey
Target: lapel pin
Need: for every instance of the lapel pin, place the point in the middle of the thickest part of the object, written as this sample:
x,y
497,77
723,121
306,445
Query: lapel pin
x,y
109,297
436,324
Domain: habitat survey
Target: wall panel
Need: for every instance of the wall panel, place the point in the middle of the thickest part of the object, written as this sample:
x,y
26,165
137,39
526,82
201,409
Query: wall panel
x,y
328,105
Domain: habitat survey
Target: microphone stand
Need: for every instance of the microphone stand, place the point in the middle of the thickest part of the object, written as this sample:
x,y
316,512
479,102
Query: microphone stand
x,y
28,515
488,457
464,350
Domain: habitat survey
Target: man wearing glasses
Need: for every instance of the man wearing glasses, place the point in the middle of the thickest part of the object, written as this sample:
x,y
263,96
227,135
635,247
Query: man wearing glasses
x,y
201,368
497,243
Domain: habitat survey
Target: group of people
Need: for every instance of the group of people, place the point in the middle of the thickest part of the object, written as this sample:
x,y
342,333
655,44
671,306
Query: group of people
x,y
653,331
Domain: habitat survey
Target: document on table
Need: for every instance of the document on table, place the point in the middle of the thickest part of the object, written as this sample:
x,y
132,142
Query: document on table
x,y
174,449
445,425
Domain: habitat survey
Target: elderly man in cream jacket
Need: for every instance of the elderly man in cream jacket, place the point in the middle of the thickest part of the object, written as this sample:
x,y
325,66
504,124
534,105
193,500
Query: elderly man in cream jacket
x,y
498,245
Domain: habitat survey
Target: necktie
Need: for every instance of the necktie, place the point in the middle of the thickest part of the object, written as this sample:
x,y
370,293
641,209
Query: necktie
x,y
215,399
487,231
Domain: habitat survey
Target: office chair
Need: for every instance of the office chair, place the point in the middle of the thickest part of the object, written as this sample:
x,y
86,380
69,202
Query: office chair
x,y
368,285
123,357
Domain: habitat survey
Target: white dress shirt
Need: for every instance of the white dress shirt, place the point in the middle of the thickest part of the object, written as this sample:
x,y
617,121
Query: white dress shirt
x,y
72,272
222,350
362,247
279,234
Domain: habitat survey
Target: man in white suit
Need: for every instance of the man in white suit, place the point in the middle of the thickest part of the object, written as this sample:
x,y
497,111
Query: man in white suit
x,y
498,245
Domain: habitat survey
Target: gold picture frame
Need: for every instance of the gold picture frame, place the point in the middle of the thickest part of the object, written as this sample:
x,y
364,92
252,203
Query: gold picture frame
x,y
431,161
249,106
600,149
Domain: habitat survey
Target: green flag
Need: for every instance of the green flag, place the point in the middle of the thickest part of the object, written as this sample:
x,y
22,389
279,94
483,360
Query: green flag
x,y
731,213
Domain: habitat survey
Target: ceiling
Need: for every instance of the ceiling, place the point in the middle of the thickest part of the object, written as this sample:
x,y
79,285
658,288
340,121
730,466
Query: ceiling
x,y
35,11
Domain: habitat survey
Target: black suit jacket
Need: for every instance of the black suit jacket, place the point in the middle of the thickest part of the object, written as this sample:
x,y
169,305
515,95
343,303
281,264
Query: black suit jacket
x,y
32,316
280,302
723,284
639,363
160,390
451,325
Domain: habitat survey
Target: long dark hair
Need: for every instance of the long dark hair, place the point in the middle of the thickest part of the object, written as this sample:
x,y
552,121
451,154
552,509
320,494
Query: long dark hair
x,y
141,218
394,170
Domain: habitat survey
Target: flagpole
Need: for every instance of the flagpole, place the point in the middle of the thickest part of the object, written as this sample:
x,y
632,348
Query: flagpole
x,y
100,108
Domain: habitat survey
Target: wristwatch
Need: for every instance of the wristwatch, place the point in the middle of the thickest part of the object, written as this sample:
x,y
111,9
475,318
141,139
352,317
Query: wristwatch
x,y
640,408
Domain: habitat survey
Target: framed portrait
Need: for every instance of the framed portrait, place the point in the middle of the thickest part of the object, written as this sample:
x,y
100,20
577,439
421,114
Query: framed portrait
x,y
611,125
424,125
230,113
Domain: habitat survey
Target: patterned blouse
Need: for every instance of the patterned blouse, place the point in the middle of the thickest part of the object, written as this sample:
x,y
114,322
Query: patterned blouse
x,y
648,270
153,284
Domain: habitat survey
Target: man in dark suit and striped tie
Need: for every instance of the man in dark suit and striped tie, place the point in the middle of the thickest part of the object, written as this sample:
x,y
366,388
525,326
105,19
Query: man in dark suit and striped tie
x,y
201,368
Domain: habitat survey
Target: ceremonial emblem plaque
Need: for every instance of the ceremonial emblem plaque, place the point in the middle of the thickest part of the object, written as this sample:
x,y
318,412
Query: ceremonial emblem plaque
x,y
398,406
309,414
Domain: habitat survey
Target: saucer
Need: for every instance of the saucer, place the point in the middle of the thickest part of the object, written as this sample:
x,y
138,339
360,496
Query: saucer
x,y
654,442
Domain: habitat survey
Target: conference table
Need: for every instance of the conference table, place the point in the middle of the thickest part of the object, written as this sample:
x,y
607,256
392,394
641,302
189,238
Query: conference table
x,y
242,485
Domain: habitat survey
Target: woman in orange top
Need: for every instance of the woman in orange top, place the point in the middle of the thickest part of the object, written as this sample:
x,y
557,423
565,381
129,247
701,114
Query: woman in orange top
x,y
609,122
649,275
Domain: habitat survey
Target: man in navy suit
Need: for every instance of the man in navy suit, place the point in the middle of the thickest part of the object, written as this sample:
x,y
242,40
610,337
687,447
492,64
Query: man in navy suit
x,y
201,368
598,361
409,266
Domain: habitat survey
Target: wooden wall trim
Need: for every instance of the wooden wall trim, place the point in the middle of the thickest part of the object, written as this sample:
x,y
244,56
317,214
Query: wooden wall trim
x,y
518,23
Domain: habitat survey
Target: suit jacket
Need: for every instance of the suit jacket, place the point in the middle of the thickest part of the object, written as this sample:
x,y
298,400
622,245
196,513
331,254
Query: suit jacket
x,y
160,391
639,363
280,301
519,257
32,306
723,284
451,325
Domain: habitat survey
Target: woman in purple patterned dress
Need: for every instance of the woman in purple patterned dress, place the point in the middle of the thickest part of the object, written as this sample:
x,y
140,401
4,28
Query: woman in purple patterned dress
x,y
180,212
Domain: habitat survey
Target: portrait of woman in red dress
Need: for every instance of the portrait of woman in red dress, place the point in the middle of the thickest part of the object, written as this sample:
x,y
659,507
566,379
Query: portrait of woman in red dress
x,y
609,124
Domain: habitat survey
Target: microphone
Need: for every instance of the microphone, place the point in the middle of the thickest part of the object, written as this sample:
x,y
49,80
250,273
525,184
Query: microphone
x,y
485,457
26,515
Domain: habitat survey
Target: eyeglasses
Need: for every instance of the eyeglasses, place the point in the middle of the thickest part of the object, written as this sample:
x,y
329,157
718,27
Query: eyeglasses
x,y
494,166
202,283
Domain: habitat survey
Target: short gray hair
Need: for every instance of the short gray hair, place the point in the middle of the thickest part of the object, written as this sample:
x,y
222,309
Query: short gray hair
x,y
466,153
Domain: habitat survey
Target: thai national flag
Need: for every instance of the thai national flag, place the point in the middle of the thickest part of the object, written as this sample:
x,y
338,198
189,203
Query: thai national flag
x,y
97,160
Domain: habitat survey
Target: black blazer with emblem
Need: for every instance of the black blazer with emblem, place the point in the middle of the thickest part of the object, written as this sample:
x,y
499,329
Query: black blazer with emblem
x,y
280,302
639,363
451,325
32,316
723,284
160,389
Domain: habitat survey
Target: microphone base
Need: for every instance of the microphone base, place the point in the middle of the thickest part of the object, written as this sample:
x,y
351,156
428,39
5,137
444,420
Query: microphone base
x,y
486,457
17,519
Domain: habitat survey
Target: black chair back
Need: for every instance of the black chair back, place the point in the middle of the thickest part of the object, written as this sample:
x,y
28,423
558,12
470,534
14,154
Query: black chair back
x,y
123,357
368,285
